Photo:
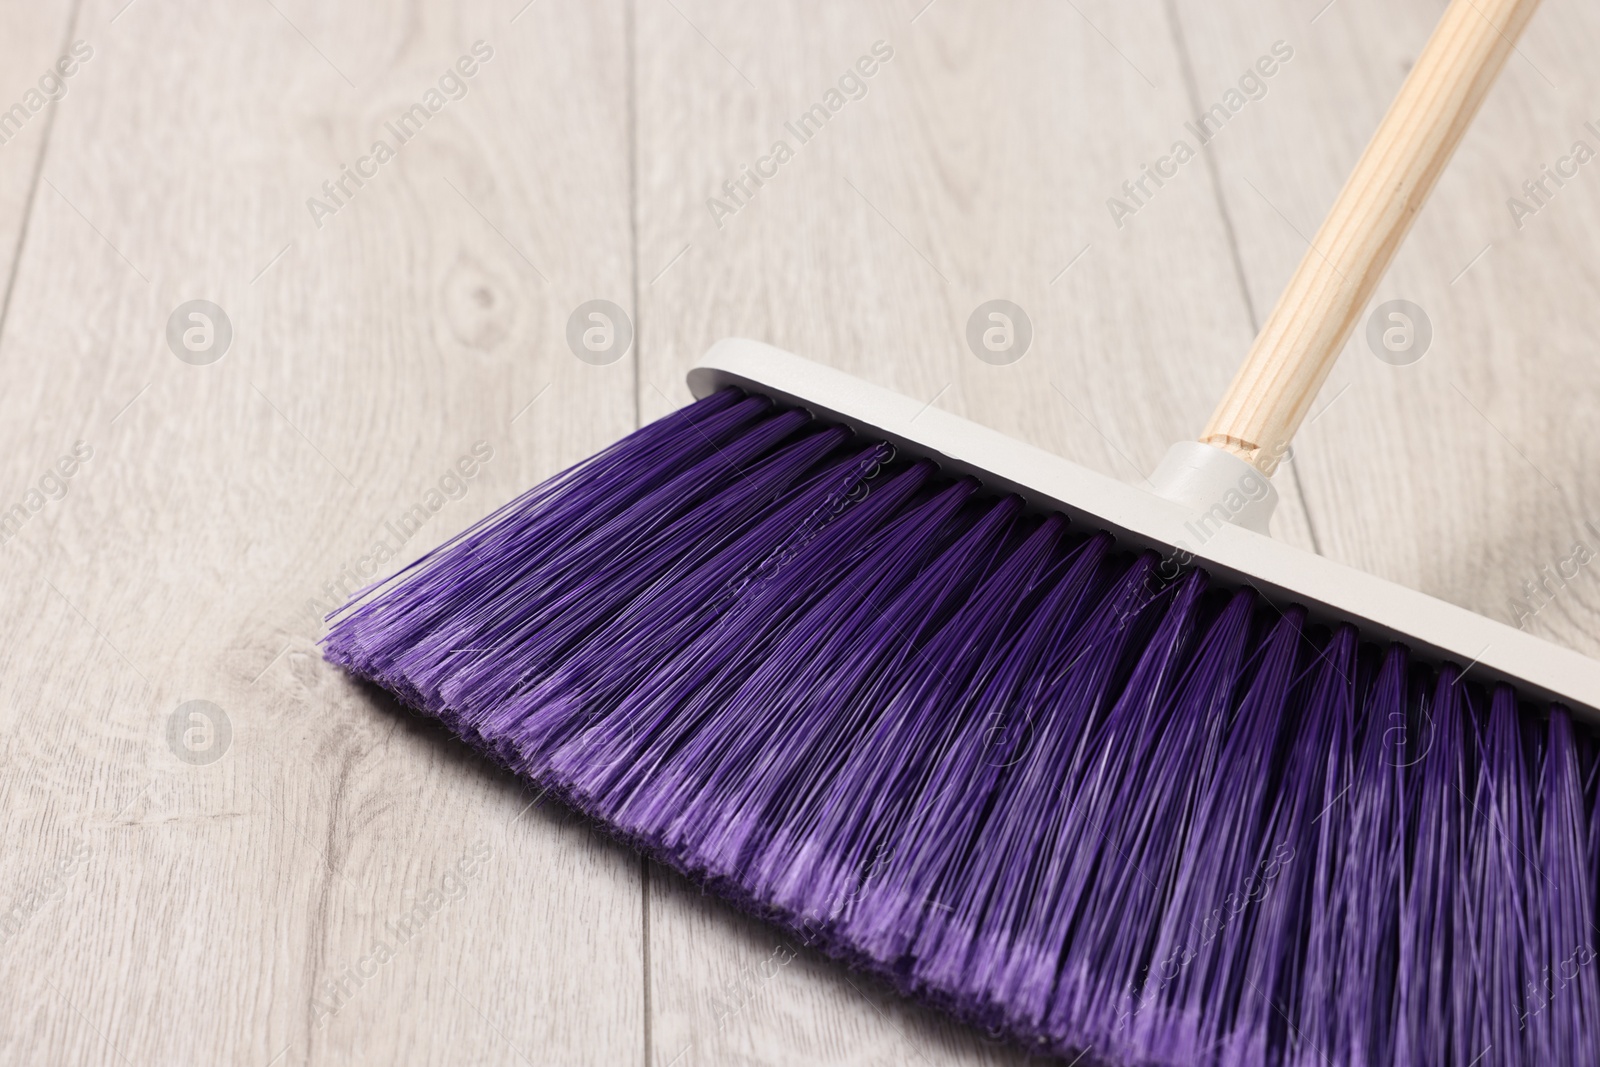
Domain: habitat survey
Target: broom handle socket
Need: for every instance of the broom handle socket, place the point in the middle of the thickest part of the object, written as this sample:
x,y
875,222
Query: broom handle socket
x,y
1314,317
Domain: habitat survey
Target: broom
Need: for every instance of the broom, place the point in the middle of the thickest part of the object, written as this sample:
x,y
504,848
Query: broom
x,y
1104,771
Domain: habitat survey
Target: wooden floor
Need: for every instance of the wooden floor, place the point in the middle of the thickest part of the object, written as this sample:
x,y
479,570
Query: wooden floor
x,y
183,892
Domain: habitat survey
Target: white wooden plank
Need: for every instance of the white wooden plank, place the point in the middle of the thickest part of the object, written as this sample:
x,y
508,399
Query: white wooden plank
x,y
32,90
367,357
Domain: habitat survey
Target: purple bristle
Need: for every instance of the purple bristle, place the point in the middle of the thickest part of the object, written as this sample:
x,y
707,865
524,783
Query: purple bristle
x,y
1564,1014
865,700
709,802
458,579
1364,912
1112,822
1209,919
678,639
958,733
1502,838
1008,767
1115,983
1290,850
1431,977
955,827
1324,970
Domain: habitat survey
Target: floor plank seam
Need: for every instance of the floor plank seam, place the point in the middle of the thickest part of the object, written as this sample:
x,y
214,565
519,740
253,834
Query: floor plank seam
x,y
33,183
1191,91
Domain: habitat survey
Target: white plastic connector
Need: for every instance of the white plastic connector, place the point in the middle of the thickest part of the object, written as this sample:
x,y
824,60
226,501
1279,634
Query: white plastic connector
x,y
1217,486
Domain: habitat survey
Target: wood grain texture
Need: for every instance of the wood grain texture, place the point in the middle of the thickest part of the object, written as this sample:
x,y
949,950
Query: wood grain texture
x,y
1471,471
218,901
36,37
178,913
1315,314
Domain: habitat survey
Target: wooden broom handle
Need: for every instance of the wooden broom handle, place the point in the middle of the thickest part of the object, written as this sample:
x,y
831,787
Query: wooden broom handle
x,y
1313,318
